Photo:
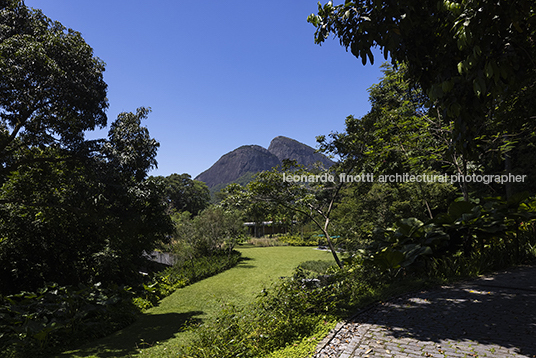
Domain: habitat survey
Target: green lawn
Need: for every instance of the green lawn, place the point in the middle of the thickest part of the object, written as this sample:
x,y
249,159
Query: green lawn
x,y
158,332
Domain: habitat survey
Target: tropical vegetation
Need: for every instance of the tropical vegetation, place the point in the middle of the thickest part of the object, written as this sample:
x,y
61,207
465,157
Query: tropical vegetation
x,y
433,184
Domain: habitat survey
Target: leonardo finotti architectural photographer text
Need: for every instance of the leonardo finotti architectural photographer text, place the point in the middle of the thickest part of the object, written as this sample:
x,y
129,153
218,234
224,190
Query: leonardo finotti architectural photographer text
x,y
406,178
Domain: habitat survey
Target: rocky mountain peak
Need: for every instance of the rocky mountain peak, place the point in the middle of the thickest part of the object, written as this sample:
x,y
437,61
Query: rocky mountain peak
x,y
287,148
250,159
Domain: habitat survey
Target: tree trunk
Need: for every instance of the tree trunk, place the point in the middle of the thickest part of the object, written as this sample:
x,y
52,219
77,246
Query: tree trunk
x,y
330,243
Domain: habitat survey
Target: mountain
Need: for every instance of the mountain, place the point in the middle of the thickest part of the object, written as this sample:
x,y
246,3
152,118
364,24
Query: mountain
x,y
286,148
231,166
243,162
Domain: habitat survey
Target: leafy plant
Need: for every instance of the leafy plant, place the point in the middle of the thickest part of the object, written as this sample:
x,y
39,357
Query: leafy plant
x,y
318,266
298,240
399,248
467,226
34,323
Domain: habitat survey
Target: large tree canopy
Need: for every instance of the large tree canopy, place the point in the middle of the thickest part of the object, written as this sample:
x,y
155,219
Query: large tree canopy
x,y
85,220
466,54
183,193
396,136
51,86
71,210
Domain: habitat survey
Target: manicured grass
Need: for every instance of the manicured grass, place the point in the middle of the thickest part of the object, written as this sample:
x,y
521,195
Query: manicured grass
x,y
158,332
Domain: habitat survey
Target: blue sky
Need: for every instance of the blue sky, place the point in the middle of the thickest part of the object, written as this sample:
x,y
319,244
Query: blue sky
x,y
219,74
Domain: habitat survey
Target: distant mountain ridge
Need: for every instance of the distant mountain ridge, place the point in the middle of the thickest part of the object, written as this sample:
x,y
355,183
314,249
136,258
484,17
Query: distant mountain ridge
x,y
287,148
250,159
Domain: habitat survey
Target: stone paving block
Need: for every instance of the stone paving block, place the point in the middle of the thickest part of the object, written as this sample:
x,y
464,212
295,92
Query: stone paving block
x,y
413,352
495,319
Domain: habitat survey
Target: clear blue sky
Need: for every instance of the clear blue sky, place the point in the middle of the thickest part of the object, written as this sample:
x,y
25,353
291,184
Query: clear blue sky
x,y
219,74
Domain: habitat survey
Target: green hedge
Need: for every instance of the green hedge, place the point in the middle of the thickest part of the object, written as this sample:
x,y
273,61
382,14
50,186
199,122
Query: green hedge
x,y
165,282
297,240
35,324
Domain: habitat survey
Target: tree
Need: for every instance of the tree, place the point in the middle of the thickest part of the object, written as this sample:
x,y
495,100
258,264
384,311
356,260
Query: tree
x,y
315,199
130,149
71,210
137,218
214,229
51,88
397,136
85,220
185,194
467,55
218,228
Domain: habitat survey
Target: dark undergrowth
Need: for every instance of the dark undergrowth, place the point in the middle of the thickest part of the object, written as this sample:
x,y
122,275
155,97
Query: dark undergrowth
x,y
41,323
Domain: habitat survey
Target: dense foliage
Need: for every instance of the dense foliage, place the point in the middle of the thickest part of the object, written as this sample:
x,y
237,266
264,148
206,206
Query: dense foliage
x,y
212,231
398,135
71,210
51,88
83,220
36,324
467,55
77,216
182,193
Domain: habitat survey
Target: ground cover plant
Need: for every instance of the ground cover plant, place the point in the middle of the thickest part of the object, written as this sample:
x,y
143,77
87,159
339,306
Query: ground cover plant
x,y
34,323
286,319
39,323
162,329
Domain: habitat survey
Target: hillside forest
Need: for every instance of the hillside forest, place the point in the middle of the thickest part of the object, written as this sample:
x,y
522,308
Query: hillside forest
x,y
79,217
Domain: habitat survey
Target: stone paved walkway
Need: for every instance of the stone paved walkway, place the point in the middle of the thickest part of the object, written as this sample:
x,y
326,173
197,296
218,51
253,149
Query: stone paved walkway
x,y
493,316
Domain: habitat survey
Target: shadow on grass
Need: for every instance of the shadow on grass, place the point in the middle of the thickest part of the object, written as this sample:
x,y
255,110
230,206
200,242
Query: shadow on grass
x,y
147,331
242,264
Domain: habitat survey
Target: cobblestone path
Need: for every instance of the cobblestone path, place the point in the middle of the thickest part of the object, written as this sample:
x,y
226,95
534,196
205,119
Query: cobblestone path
x,y
493,316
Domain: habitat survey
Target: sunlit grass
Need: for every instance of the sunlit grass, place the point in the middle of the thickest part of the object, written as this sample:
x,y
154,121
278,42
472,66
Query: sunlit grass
x,y
158,332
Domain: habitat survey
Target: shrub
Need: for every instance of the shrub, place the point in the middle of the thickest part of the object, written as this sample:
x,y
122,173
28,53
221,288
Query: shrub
x,y
318,266
165,282
297,240
34,323
493,228
500,256
286,314
306,347
266,242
